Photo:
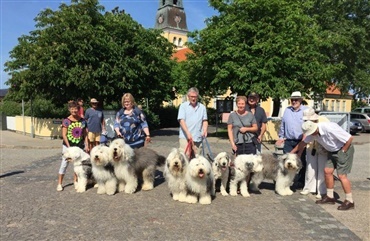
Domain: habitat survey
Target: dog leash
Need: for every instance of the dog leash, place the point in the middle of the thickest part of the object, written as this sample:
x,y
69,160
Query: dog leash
x,y
209,155
190,149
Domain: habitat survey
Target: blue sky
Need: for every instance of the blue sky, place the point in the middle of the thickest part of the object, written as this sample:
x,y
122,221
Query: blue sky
x,y
17,18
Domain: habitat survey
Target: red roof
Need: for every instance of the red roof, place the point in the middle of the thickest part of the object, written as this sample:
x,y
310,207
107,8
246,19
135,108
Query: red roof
x,y
180,55
333,90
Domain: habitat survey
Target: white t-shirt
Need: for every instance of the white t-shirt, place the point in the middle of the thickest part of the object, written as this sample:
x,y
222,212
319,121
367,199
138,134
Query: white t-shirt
x,y
331,136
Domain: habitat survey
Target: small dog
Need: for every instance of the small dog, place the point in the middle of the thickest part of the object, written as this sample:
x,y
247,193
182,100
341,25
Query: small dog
x,y
130,164
103,170
81,166
282,170
221,170
243,166
174,172
199,180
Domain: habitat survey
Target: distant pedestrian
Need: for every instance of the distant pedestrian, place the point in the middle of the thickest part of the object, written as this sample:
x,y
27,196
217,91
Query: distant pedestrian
x,y
261,118
80,103
95,123
338,143
193,120
74,134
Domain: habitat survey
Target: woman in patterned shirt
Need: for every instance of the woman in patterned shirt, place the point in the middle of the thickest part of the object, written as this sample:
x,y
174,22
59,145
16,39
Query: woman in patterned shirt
x,y
74,134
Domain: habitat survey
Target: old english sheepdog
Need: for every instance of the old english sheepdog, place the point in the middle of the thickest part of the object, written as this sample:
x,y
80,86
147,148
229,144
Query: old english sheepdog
x,y
174,172
282,170
199,181
130,164
81,166
243,166
102,170
221,170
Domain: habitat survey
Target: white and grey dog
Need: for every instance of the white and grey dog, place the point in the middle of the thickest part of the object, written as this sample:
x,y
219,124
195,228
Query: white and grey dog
x,y
174,173
282,170
199,180
81,166
243,166
102,170
221,170
130,164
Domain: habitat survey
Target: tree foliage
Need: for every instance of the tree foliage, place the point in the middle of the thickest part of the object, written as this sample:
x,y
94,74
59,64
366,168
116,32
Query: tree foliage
x,y
82,51
273,47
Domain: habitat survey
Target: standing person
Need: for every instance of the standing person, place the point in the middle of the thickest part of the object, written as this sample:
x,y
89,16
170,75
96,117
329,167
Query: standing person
x,y
316,156
261,118
241,129
290,132
95,123
193,120
131,123
74,134
80,103
338,143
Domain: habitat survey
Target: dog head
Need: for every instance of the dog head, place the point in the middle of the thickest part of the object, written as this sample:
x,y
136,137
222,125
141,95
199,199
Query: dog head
x,y
100,155
75,154
222,161
199,167
120,151
291,161
176,161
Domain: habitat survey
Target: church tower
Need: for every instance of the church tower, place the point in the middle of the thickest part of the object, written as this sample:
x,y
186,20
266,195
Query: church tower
x,y
171,19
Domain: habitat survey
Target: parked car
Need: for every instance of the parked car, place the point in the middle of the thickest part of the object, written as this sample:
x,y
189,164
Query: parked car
x,y
355,127
362,110
363,118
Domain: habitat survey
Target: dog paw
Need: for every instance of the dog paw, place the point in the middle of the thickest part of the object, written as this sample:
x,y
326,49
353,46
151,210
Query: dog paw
x,y
80,190
224,193
147,187
130,190
233,193
245,194
175,197
205,200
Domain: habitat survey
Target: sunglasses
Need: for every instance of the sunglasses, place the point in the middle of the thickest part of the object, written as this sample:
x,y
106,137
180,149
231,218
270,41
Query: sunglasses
x,y
294,100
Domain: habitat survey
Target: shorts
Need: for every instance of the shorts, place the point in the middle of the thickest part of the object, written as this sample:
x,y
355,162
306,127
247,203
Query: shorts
x,y
246,148
184,142
93,136
341,161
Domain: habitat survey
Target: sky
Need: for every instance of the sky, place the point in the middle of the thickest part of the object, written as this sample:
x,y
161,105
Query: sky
x,y
17,18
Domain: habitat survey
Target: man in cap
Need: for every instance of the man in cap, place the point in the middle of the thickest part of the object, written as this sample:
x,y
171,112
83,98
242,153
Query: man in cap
x,y
260,115
338,143
290,132
95,123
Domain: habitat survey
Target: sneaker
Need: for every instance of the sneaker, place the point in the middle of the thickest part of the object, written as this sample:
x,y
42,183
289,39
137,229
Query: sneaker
x,y
59,188
318,196
305,192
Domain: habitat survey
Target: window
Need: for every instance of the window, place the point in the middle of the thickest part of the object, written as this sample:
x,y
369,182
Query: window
x,y
344,106
332,105
180,42
326,107
337,105
174,40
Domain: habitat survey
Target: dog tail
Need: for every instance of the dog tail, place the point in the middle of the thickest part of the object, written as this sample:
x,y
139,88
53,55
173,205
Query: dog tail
x,y
161,160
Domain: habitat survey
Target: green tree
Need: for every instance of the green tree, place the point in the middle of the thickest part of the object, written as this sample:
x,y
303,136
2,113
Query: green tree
x,y
345,26
268,46
82,51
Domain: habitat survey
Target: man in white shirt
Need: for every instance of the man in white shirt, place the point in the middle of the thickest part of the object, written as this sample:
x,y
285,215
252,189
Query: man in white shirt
x,y
340,156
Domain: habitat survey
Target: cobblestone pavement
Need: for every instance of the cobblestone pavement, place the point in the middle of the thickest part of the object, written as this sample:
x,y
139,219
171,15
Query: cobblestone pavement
x,y
32,209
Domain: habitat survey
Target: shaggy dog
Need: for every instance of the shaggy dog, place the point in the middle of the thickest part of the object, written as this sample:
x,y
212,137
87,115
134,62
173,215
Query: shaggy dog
x,y
174,172
102,170
243,166
282,170
81,166
199,181
130,164
221,170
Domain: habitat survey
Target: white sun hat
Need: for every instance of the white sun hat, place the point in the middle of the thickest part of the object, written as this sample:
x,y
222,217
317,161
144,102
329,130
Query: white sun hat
x,y
310,115
309,128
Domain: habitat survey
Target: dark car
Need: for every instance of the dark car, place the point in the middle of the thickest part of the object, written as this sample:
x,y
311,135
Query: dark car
x,y
355,127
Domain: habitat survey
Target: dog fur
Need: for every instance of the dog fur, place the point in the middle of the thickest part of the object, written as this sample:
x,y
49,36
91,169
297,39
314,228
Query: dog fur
x,y
131,164
221,170
282,170
199,180
243,166
103,170
81,166
174,173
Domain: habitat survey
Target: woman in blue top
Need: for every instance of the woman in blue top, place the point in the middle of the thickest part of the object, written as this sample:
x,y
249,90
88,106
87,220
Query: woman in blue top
x,y
130,123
